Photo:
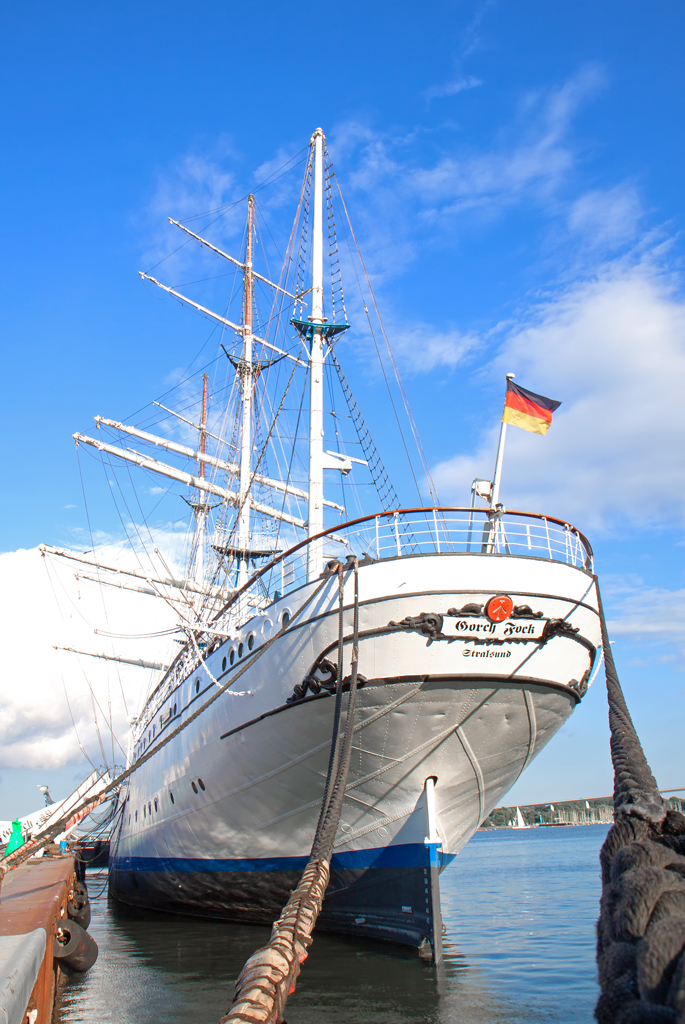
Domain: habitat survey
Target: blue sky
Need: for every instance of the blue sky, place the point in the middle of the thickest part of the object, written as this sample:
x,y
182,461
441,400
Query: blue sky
x,y
514,172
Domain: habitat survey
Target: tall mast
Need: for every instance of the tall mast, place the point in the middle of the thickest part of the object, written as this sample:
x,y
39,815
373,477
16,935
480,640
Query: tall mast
x,y
203,424
246,384
315,550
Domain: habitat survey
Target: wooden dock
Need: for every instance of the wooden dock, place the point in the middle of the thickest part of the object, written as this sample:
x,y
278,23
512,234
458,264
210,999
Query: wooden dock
x,y
39,937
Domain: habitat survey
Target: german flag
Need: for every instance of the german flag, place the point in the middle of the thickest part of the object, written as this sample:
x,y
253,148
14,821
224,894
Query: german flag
x,y
527,410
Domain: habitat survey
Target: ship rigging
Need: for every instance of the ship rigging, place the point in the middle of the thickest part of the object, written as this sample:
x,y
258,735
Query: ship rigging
x,y
475,629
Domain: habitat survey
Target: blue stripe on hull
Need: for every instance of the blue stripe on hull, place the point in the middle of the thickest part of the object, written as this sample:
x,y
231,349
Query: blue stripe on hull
x,y
381,894
409,855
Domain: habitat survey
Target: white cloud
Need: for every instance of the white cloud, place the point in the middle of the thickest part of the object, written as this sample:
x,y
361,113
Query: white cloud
x,y
42,605
613,350
606,218
192,185
422,348
452,88
653,617
530,156
533,153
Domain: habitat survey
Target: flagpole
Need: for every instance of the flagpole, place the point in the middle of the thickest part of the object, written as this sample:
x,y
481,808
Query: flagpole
x,y
497,478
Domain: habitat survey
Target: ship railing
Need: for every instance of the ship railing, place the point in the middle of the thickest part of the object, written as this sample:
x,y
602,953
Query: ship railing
x,y
389,535
437,531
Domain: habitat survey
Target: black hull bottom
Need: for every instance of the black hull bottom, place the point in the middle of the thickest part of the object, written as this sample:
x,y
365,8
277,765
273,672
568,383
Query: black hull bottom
x,y
394,904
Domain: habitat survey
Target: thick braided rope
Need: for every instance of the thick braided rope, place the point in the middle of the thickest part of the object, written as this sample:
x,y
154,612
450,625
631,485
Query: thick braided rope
x,y
641,927
269,976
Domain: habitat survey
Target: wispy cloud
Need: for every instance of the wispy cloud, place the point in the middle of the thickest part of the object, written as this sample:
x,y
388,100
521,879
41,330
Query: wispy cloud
x,y
195,183
452,88
606,218
410,189
653,617
422,348
533,153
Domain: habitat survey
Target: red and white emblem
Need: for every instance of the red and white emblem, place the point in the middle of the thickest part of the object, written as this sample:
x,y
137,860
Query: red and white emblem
x,y
499,608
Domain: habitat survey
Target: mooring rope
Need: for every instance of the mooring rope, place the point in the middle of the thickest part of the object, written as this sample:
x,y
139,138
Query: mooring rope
x,y
270,974
641,926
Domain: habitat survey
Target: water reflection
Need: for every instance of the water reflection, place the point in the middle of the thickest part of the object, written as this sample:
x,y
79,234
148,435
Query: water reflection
x,y
519,911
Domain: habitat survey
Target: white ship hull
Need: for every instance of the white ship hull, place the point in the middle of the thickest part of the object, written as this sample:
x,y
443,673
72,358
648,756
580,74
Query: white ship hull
x,y
470,707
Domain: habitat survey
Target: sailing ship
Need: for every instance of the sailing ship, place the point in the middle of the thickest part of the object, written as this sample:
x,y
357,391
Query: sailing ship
x,y
478,630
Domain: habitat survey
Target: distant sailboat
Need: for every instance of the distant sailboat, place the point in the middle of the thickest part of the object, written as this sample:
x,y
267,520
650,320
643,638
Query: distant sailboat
x,y
519,823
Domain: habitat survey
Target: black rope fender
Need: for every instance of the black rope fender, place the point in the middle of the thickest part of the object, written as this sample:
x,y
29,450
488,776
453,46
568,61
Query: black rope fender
x,y
641,926
270,974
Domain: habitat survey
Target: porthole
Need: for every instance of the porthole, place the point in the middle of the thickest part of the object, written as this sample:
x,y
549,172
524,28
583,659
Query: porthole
x,y
149,808
250,641
240,650
174,709
223,664
197,686
231,656
171,797
285,618
156,807
154,727
136,816
144,811
129,819
201,785
194,787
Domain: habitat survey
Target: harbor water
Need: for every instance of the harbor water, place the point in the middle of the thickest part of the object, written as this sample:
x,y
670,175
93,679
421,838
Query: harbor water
x,y
519,908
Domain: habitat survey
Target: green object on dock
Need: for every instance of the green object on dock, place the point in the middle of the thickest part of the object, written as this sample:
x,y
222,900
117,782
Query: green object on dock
x,y
16,839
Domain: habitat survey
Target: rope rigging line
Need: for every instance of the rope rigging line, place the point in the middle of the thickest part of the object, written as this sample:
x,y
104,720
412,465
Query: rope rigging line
x,y
641,926
386,491
275,314
94,701
393,362
221,210
73,722
172,603
269,975
42,838
291,460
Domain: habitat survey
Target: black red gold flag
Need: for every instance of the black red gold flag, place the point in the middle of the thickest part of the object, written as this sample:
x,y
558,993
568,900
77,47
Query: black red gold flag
x,y
527,410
